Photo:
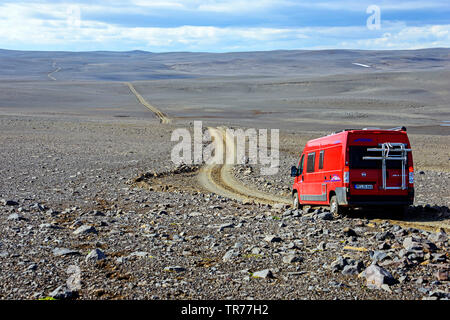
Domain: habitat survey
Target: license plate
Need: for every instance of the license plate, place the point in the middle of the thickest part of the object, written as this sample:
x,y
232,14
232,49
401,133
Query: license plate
x,y
364,186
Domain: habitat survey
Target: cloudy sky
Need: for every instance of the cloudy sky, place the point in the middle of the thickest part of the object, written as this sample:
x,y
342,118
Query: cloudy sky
x,y
223,25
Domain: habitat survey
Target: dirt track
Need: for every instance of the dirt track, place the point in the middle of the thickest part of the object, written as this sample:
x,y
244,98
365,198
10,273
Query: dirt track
x,y
219,179
50,75
162,117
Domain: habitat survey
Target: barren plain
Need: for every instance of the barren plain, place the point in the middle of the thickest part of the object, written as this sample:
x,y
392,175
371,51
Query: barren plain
x,y
92,206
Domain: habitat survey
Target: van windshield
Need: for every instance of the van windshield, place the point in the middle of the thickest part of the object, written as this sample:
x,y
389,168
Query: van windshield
x,y
357,162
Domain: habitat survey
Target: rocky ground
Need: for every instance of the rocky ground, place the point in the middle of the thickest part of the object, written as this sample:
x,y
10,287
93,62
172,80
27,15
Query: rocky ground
x,y
75,224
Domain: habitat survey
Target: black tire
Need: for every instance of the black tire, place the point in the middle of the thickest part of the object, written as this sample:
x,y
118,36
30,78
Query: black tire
x,y
295,201
336,209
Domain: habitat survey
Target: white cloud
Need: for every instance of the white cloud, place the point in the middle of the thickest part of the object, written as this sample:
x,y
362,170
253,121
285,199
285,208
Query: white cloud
x,y
23,26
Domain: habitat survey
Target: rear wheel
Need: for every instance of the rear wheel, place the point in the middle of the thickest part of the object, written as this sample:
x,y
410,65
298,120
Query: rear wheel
x,y
335,209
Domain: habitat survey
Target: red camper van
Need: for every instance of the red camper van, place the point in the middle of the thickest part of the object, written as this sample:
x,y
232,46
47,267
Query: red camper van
x,y
356,168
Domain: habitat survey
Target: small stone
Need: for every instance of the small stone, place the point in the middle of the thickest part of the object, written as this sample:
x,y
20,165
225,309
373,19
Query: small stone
x,y
256,250
95,255
37,206
279,206
32,267
63,293
384,246
98,213
339,264
48,226
441,275
377,256
321,245
438,237
230,255
226,226
272,238
9,202
438,257
412,243
64,252
325,216
377,276
292,258
174,269
264,274
139,254
85,229
349,232
350,270
381,236
16,217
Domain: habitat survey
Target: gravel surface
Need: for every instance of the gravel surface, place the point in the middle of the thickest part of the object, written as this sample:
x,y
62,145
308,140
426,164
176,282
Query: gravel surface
x,y
76,224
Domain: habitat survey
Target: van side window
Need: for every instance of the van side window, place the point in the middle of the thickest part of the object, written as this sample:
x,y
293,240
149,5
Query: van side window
x,y
300,167
311,162
321,155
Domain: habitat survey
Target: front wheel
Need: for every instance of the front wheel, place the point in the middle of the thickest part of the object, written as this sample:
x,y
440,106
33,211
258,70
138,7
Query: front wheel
x,y
295,202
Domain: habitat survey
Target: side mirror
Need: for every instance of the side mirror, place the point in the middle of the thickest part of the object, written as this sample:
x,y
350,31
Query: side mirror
x,y
294,171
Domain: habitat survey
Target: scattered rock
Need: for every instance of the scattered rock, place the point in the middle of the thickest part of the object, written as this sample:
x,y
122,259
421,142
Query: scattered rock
x,y
95,255
292,258
339,264
272,238
139,254
266,273
230,255
16,217
9,202
376,276
378,256
438,237
64,252
174,269
325,216
348,232
442,275
85,229
226,226
381,236
63,293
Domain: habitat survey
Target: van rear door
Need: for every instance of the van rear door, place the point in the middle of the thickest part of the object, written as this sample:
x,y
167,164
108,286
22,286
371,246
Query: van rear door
x,y
366,170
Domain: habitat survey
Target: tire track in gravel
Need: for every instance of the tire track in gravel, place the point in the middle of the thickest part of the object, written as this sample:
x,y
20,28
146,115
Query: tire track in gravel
x,y
162,117
219,178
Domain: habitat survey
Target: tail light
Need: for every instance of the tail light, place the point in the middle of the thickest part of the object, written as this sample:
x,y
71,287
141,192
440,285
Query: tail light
x,y
346,175
411,175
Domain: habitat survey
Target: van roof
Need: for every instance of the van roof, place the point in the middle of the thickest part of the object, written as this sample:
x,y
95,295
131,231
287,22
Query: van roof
x,y
344,133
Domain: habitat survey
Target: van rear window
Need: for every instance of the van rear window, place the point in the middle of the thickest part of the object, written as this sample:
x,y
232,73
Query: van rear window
x,y
357,162
321,155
